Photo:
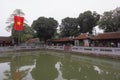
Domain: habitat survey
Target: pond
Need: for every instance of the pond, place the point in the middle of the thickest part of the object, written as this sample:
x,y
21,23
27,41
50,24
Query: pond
x,y
47,65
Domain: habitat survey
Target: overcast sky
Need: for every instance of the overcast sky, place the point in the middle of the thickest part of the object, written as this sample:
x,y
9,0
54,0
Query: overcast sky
x,y
58,9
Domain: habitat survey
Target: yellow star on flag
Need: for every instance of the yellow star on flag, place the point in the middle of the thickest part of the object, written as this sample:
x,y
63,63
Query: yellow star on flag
x,y
18,23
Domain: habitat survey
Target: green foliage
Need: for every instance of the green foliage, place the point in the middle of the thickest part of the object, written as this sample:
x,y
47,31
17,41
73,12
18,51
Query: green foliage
x,y
69,27
27,33
45,28
87,21
110,21
24,35
10,20
81,43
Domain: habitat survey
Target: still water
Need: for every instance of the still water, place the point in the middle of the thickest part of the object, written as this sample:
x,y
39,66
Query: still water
x,y
46,65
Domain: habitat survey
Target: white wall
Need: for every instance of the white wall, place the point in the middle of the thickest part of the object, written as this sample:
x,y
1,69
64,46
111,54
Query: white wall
x,y
87,50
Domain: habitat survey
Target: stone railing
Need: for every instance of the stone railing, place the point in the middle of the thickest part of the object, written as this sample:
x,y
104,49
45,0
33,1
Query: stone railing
x,y
87,50
17,48
55,47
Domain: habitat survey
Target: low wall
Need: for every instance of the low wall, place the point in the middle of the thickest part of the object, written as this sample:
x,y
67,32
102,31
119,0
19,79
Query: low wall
x,y
18,48
87,50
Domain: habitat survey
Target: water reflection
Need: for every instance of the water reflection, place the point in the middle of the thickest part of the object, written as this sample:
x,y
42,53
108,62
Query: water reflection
x,y
4,69
96,68
28,69
15,65
58,66
45,69
52,66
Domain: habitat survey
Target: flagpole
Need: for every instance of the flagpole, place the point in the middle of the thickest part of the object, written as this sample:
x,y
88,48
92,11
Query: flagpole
x,y
18,26
19,38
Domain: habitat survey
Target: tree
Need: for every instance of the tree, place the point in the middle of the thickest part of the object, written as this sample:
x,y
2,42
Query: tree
x,y
69,27
23,35
45,28
87,21
10,20
110,21
26,34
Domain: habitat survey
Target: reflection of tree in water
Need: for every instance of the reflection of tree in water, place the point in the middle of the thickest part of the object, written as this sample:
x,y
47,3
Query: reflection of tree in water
x,y
77,69
67,57
45,69
17,62
68,67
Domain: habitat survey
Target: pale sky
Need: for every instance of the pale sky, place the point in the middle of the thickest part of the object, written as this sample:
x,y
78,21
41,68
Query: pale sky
x,y
58,9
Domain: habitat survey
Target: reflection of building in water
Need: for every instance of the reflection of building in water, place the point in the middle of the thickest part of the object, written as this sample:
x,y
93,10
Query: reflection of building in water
x,y
68,57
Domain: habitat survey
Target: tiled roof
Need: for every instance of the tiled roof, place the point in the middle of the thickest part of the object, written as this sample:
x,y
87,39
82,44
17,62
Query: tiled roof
x,y
5,38
102,36
82,36
110,35
34,40
63,39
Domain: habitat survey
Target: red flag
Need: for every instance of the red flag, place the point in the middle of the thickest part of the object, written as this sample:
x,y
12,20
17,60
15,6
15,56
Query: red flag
x,y
18,23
